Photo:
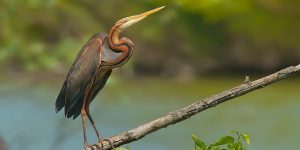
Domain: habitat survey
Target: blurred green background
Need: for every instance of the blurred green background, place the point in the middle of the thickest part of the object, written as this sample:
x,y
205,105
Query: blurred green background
x,y
187,51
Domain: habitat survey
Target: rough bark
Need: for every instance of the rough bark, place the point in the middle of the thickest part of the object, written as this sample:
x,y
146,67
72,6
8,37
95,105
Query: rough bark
x,y
192,109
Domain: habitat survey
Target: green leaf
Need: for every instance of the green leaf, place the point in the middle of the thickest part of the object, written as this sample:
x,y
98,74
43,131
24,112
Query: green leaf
x,y
197,147
224,140
246,138
121,148
199,144
231,146
239,146
216,148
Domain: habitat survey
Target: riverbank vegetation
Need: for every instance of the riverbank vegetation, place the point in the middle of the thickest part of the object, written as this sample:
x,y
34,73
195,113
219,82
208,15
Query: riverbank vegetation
x,y
187,39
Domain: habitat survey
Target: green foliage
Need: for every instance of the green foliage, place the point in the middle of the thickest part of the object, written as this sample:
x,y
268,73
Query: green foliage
x,y
223,143
122,148
45,35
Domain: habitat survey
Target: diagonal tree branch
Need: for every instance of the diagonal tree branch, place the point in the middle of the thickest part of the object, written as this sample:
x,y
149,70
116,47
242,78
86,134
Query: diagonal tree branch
x,y
192,109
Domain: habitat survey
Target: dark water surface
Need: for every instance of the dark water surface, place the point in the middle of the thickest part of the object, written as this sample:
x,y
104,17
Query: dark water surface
x,y
271,116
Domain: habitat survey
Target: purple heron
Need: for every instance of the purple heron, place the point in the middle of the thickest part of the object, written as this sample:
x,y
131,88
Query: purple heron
x,y
92,67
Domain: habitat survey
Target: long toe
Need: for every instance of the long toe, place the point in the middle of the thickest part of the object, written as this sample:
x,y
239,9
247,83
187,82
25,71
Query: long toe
x,y
93,147
99,147
107,140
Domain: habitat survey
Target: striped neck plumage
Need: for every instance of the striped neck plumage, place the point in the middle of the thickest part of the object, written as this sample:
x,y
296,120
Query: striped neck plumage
x,y
123,46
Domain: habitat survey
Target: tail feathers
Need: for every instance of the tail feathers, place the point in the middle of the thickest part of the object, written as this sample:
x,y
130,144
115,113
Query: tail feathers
x,y
75,110
76,114
60,101
74,103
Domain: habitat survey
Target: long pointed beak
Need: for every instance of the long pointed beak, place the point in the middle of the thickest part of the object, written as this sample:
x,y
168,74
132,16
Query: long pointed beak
x,y
128,21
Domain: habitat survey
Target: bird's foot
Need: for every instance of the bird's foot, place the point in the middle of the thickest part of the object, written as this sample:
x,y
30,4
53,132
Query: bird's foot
x,y
93,147
107,140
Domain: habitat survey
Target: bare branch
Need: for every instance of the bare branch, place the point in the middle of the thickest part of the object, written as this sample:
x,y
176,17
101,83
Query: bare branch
x,y
190,110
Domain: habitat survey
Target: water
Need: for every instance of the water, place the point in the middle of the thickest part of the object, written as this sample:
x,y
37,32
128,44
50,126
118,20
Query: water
x,y
270,115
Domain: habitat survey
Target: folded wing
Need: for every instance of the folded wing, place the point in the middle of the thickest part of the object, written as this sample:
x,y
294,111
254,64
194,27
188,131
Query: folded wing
x,y
80,77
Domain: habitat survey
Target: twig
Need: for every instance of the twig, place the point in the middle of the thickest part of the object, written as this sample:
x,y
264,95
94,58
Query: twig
x,y
190,110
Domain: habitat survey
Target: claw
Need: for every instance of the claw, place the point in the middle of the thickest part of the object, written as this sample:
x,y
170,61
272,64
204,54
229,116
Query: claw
x,y
109,142
99,147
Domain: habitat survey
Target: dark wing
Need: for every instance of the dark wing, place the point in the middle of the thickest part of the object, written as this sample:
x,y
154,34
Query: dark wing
x,y
101,79
98,84
80,77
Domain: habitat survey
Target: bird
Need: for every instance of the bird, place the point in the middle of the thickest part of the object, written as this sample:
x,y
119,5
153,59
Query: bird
x,y
91,69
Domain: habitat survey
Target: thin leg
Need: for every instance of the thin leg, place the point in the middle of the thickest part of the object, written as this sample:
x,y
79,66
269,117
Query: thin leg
x,y
93,123
83,115
100,139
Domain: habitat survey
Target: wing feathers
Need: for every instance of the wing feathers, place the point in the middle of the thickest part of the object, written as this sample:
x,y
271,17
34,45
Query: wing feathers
x,y
80,76
60,102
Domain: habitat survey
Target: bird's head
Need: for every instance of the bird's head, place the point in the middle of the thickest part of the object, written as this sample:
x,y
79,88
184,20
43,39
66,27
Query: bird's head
x,y
127,22
124,45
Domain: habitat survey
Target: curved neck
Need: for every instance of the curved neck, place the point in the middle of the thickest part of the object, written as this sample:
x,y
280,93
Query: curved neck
x,y
123,45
